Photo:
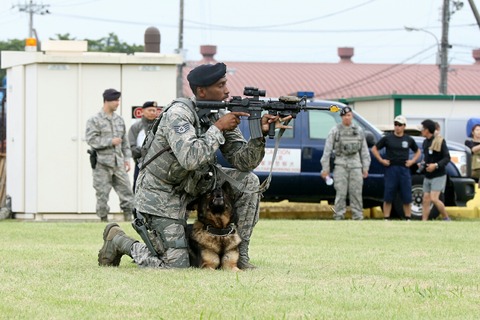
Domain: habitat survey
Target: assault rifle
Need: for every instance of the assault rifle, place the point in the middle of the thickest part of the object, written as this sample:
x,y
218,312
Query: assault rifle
x,y
285,106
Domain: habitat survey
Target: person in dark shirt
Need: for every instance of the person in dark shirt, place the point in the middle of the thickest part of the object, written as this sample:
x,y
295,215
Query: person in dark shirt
x,y
397,164
474,145
435,173
138,131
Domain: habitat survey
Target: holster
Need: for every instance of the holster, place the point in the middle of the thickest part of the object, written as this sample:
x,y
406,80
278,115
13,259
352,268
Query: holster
x,y
93,157
139,225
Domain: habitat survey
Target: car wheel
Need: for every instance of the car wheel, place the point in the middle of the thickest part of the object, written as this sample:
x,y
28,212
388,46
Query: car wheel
x,y
417,199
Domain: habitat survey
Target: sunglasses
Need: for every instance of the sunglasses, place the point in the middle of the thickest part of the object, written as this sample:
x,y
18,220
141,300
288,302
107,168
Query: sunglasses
x,y
398,124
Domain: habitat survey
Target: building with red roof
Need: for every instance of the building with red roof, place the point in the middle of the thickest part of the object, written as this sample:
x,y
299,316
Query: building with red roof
x,y
378,91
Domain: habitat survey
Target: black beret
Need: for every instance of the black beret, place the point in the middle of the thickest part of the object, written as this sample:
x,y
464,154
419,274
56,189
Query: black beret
x,y
111,95
149,104
206,74
345,110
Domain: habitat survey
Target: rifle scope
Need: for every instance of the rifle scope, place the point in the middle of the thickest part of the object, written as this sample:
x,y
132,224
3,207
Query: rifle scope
x,y
253,92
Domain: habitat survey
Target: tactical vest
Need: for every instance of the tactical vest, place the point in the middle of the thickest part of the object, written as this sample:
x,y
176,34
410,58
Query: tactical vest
x,y
348,140
159,160
153,151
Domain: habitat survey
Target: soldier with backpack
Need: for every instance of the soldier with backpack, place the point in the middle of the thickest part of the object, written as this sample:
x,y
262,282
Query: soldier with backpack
x,y
179,165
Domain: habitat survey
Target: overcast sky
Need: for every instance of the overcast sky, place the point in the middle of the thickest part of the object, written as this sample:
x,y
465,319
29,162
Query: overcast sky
x,y
261,30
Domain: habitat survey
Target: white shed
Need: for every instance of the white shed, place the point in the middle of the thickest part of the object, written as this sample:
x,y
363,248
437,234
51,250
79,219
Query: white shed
x,y
51,94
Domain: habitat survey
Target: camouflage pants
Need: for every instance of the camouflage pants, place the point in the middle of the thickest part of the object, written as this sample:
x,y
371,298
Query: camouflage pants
x,y
247,208
348,180
173,243
247,204
104,178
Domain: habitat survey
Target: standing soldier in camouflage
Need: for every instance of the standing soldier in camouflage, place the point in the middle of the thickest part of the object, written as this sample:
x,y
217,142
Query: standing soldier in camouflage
x,y
138,132
352,159
106,134
186,168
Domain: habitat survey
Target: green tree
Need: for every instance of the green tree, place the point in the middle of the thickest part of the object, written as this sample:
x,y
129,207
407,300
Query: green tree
x,y
65,36
10,45
111,43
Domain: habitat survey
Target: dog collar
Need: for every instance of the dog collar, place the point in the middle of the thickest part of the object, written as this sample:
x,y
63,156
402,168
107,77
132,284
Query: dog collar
x,y
220,231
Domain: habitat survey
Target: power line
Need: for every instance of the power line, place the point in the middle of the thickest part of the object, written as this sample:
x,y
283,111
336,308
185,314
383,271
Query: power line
x,y
32,8
200,26
371,78
256,28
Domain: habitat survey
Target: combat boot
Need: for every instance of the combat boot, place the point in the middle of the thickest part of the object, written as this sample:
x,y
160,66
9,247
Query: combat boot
x,y
115,245
244,260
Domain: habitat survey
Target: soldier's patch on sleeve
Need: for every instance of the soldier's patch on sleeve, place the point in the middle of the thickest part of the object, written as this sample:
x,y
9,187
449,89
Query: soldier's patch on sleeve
x,y
182,129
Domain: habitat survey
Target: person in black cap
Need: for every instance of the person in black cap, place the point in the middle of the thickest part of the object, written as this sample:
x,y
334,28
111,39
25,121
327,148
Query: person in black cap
x,y
138,132
345,110
106,134
347,144
111,95
184,166
205,75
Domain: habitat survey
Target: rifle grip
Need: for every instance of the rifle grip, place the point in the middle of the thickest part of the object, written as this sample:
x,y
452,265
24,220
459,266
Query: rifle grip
x,y
271,130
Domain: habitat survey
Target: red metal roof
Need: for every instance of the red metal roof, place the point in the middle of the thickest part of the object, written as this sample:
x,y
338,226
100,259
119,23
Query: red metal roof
x,y
345,79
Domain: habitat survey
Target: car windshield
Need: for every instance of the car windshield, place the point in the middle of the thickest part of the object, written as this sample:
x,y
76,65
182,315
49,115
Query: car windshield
x,y
321,122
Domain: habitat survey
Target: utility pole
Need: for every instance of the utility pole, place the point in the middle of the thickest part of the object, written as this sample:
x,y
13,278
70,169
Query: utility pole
x,y
444,48
475,11
180,51
32,8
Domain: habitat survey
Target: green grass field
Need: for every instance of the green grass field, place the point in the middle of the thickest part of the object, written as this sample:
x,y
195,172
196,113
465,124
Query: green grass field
x,y
307,269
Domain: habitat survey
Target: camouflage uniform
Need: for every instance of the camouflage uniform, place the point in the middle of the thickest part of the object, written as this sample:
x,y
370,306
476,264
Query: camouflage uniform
x,y
110,169
136,135
168,184
352,157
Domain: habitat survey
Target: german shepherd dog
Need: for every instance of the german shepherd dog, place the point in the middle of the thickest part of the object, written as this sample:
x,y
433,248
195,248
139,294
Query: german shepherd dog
x,y
214,240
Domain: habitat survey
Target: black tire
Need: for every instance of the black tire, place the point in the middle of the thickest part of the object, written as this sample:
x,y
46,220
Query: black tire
x,y
416,206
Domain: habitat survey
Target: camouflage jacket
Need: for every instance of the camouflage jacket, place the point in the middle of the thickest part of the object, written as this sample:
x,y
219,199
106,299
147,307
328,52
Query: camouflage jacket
x,y
100,131
180,170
